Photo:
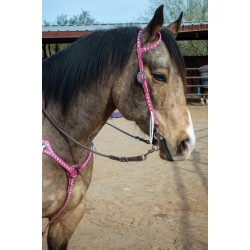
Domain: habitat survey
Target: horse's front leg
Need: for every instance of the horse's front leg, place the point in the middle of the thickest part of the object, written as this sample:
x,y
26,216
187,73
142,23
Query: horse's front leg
x,y
61,230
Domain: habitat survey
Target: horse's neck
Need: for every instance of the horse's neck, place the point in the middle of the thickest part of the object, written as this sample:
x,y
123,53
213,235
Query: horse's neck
x,y
84,119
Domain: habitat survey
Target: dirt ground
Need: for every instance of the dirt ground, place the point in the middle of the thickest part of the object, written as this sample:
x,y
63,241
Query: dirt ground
x,y
150,205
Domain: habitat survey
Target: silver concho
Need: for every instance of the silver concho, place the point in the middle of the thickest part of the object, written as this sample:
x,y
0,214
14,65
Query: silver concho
x,y
141,76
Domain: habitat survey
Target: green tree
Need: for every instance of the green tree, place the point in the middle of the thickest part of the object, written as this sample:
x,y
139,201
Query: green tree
x,y
62,20
45,23
193,10
81,19
84,18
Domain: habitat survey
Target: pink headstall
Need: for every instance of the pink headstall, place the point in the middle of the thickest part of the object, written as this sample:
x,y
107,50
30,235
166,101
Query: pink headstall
x,y
141,77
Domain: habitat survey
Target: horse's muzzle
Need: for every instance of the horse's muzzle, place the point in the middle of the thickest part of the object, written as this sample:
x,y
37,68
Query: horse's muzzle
x,y
183,151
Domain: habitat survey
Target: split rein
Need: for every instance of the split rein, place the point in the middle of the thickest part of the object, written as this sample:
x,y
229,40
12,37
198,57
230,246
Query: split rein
x,y
142,157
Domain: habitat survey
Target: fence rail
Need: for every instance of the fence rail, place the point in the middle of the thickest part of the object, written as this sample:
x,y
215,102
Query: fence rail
x,y
194,87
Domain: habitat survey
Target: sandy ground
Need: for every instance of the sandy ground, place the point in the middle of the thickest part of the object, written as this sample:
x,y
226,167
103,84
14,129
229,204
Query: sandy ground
x,y
151,205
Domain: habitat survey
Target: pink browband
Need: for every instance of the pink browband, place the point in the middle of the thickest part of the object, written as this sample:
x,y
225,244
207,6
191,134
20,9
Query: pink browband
x,y
141,77
72,173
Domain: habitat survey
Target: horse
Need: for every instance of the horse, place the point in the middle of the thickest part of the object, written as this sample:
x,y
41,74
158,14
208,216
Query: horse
x,y
84,84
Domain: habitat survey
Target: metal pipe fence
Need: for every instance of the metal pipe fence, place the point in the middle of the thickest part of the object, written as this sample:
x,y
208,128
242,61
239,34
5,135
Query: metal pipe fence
x,y
195,88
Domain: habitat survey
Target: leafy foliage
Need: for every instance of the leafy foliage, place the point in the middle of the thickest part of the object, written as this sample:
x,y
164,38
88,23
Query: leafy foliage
x,y
81,19
193,10
84,18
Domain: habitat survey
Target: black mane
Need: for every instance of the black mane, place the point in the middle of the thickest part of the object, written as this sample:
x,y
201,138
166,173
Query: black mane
x,y
175,53
91,59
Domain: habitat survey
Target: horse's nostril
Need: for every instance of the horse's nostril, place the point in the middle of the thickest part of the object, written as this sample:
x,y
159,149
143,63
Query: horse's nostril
x,y
186,143
183,146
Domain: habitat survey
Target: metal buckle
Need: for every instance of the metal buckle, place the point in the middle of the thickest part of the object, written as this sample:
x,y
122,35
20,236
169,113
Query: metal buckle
x,y
123,159
141,76
74,172
155,148
44,146
158,135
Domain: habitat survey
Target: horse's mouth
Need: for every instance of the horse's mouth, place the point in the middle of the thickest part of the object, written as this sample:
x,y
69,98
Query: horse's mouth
x,y
165,152
180,154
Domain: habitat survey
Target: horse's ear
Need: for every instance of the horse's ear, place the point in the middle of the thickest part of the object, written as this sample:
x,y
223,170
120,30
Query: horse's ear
x,y
154,25
174,27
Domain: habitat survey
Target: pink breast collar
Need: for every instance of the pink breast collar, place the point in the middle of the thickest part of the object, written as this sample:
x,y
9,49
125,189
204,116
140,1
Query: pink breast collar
x,y
72,173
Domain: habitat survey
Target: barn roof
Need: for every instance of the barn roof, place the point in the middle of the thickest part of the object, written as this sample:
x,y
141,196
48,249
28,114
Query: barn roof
x,y
69,33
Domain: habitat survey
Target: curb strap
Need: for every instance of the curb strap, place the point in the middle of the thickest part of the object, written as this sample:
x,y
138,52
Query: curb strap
x,y
159,137
72,173
166,149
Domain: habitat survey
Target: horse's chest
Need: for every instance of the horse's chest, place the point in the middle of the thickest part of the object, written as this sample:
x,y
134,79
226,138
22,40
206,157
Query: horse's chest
x,y
55,187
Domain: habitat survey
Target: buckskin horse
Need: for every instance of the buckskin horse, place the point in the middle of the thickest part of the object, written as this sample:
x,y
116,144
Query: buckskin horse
x,y
141,73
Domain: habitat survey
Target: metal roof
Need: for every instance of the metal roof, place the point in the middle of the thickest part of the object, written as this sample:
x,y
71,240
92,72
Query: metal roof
x,y
92,27
69,33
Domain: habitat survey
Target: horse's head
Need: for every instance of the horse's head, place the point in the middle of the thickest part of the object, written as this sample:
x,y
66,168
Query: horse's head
x,y
164,69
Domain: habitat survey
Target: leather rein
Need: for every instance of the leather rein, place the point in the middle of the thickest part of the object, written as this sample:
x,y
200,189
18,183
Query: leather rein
x,y
141,157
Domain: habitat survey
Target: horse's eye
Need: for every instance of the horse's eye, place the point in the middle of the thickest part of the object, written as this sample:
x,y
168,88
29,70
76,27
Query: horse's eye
x,y
160,78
